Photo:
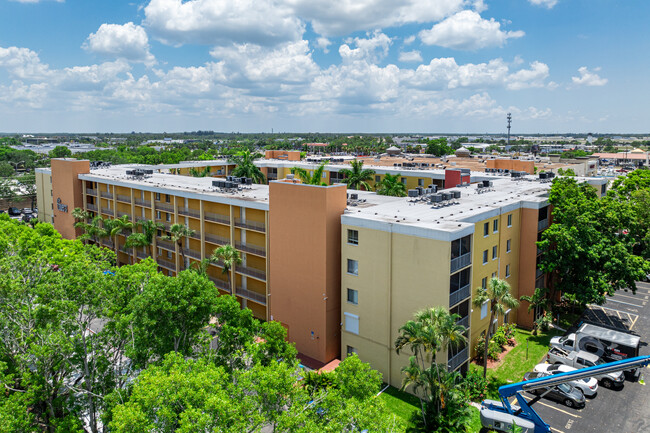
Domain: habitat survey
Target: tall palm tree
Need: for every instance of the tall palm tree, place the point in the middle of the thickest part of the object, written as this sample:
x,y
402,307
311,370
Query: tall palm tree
x,y
81,218
134,241
315,178
178,233
230,257
357,177
115,227
93,230
246,166
498,294
148,230
392,185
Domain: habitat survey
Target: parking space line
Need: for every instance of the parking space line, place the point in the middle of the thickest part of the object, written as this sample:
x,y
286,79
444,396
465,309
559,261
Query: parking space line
x,y
552,407
626,303
634,322
619,315
627,296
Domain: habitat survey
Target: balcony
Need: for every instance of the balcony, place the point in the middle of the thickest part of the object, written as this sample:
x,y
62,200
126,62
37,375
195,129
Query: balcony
x,y
165,244
543,224
459,295
91,207
538,273
251,272
253,296
251,225
90,191
464,321
216,218
196,235
108,212
221,284
189,212
123,198
121,214
107,195
253,249
461,262
191,253
457,360
142,202
217,240
166,264
142,255
165,207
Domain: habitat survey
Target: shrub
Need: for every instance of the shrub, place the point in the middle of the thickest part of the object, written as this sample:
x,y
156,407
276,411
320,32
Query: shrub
x,y
499,338
475,385
509,330
494,350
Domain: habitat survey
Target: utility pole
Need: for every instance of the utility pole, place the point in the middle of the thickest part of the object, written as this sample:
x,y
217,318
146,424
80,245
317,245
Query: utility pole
x,y
509,120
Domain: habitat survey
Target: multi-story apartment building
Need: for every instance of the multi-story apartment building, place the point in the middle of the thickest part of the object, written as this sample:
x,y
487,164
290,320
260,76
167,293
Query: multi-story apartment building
x,y
341,272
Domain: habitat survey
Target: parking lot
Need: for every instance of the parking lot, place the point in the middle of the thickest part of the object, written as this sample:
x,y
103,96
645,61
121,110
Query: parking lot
x,y
623,411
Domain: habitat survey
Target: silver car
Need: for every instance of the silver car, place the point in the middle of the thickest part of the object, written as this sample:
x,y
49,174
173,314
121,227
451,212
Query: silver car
x,y
588,386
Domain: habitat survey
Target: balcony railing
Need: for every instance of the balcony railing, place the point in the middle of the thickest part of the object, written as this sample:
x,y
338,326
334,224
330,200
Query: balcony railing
x,y
191,253
253,296
461,262
457,360
221,284
251,272
142,255
142,202
253,249
252,225
108,212
91,207
124,198
219,240
216,218
543,224
164,207
105,194
165,244
459,295
166,264
120,214
189,212
538,273
464,321
196,235
91,191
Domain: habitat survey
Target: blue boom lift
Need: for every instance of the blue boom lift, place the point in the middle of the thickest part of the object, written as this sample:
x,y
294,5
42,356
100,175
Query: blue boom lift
x,y
500,415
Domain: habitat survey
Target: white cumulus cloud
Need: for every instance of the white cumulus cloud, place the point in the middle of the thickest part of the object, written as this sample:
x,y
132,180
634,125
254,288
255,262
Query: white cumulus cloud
x,y
410,56
212,22
525,78
589,78
549,4
23,63
323,44
373,48
127,41
466,30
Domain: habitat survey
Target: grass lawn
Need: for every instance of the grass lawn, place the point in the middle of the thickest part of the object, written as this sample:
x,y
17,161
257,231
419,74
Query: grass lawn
x,y
515,364
474,425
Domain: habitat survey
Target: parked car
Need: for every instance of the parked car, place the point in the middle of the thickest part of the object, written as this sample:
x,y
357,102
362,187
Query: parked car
x,y
581,359
27,211
564,393
13,211
609,344
588,386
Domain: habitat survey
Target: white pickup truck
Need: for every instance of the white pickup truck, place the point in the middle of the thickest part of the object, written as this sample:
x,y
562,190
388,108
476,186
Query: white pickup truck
x,y
581,359
606,343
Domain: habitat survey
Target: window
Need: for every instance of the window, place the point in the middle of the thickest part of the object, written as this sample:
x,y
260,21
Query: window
x,y
351,323
484,283
486,229
404,180
169,254
377,179
508,244
459,280
353,296
420,182
157,196
167,199
494,252
603,187
485,255
350,350
353,267
159,251
353,237
484,308
461,246
495,226
510,220
507,271
494,274
168,217
543,214
506,317
159,233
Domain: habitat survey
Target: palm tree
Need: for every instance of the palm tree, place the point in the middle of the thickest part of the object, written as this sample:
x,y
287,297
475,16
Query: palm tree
x,y
178,234
392,185
246,167
81,219
230,257
357,177
93,230
135,240
538,300
498,294
315,178
149,229
115,227
202,173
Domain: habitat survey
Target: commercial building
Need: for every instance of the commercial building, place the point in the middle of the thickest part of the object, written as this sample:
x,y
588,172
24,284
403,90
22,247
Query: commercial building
x,y
342,271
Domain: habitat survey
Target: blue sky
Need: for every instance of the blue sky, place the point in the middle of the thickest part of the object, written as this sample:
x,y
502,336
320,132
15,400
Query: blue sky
x,y
322,65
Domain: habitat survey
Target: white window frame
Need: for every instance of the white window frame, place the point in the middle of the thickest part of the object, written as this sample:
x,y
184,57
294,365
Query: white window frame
x,y
495,252
484,309
357,240
351,323
356,292
506,316
495,226
509,220
348,268
508,245
486,230
507,271
485,257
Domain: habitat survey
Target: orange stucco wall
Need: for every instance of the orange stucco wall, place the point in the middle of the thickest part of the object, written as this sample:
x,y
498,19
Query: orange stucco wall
x,y
289,155
67,188
511,164
305,261
527,263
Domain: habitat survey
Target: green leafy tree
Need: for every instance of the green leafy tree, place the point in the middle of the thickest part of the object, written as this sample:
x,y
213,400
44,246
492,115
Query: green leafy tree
x,y
356,177
246,167
438,147
392,185
6,169
178,234
60,152
200,173
498,294
314,178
